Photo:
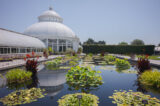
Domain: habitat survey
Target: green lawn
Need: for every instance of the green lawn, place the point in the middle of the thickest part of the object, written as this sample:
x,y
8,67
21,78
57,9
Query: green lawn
x,y
154,57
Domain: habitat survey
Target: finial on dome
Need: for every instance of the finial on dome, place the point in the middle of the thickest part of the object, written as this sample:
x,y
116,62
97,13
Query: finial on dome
x,y
50,8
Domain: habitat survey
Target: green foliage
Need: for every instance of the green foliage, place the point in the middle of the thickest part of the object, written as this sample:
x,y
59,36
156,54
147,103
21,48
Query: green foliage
x,y
18,76
137,42
25,96
54,64
88,58
79,50
150,78
119,49
109,59
50,50
73,63
78,77
130,98
72,100
90,54
122,64
123,43
1,76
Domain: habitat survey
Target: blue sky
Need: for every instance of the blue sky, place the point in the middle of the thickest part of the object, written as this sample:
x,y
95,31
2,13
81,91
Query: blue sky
x,y
110,20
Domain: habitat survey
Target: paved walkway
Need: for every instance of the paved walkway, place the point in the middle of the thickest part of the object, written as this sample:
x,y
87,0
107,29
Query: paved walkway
x,y
155,63
21,62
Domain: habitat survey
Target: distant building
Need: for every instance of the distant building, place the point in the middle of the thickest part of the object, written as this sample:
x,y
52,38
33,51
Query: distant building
x,y
157,50
51,30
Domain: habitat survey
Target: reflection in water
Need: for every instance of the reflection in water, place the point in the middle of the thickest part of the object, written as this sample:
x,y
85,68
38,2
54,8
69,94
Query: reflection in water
x,y
52,81
85,89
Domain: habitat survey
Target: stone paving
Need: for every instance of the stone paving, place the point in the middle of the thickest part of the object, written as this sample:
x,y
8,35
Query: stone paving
x,y
21,62
152,62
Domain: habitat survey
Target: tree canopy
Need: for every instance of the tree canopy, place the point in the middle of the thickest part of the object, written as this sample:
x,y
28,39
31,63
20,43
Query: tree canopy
x,y
123,43
91,41
137,42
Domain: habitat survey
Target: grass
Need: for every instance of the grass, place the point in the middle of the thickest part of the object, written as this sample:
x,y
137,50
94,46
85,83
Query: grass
x,y
154,57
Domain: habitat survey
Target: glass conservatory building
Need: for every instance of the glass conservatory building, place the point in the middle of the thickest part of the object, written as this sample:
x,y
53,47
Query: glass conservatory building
x,y
12,43
51,30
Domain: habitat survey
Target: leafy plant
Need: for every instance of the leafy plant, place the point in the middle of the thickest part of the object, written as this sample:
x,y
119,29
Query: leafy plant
x,y
90,54
150,78
143,63
31,64
74,100
88,58
110,59
130,98
54,64
72,63
122,64
22,97
83,77
18,76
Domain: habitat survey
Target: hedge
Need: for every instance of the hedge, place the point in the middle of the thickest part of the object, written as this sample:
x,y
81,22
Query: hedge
x,y
119,49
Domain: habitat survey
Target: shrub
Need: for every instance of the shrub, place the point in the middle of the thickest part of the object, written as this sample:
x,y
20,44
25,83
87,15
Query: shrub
x,y
22,96
90,54
122,64
143,63
119,49
83,77
54,64
130,98
150,78
18,76
31,64
73,100
109,59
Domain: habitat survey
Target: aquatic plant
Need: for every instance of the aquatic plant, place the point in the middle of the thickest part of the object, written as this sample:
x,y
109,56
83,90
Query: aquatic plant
x,y
83,77
31,64
54,64
18,76
150,78
143,63
90,54
22,96
79,99
88,58
130,98
109,59
122,64
73,63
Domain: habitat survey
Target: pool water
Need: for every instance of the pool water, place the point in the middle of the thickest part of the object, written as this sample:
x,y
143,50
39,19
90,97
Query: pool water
x,y
55,85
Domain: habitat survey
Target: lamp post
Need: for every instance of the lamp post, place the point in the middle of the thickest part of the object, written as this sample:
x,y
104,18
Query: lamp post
x,y
79,98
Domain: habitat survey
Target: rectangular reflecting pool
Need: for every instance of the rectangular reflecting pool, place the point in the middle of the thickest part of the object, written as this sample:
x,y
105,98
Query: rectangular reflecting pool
x,y
54,83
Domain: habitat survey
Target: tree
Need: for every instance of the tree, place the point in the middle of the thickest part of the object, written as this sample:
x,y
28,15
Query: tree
x,y
89,41
101,42
159,44
137,42
123,43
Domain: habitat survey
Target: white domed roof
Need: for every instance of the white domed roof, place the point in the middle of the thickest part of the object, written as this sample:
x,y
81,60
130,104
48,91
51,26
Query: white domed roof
x,y
14,39
49,30
50,26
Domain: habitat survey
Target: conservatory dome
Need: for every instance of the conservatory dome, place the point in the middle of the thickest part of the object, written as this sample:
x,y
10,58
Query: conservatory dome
x,y
51,30
50,26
